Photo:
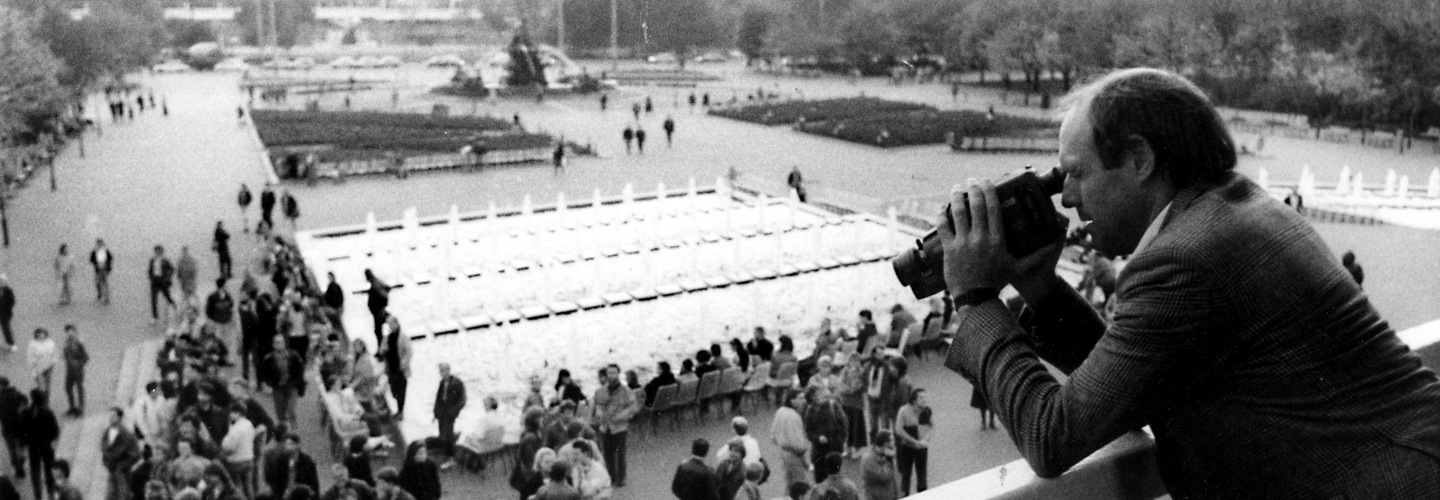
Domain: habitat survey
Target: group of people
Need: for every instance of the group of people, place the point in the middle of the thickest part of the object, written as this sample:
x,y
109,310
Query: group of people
x,y
289,206
121,109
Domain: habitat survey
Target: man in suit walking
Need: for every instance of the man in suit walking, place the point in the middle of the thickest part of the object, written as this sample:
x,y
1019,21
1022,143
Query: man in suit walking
x,y
449,401
103,261
694,480
290,467
162,274
7,311
1238,336
267,206
395,353
120,451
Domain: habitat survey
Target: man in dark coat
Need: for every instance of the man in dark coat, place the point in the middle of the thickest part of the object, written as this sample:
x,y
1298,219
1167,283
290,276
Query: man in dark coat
x,y
39,430
628,135
377,299
120,451
640,140
693,479
284,372
759,346
267,205
12,404
162,274
334,295
221,244
669,127
449,401
7,311
289,468
103,261
249,335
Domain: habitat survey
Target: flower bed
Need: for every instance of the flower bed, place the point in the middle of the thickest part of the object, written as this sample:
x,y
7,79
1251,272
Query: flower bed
x,y
928,127
775,113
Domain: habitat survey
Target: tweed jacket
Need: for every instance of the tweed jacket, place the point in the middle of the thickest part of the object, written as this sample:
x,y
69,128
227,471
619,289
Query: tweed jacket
x,y
1261,367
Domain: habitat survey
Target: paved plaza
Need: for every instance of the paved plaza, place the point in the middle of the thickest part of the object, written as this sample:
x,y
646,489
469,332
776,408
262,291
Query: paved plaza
x,y
167,180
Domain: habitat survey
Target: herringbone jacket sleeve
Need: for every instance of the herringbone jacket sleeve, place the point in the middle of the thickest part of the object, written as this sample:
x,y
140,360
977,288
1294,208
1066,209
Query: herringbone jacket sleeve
x,y
1165,307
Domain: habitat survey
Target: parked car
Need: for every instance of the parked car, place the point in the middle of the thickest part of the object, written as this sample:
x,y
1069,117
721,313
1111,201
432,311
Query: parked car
x,y
389,62
343,62
445,61
171,66
232,64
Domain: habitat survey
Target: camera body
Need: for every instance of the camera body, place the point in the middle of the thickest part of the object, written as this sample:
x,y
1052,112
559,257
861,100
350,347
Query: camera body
x,y
1030,219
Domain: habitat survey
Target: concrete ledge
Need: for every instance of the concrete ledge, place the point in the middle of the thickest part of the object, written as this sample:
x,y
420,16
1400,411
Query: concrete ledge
x,y
1124,469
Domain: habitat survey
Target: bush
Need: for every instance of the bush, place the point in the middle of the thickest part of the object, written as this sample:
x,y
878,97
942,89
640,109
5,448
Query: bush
x,y
774,113
353,135
927,127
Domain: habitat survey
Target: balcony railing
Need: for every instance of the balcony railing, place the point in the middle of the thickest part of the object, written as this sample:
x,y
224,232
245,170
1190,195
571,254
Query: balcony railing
x,y
1124,469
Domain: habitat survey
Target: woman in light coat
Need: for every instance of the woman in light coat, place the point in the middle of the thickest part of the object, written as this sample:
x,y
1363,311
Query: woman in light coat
x,y
43,356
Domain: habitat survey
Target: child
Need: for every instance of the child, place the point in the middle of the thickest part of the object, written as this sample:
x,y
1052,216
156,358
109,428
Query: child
x,y
76,357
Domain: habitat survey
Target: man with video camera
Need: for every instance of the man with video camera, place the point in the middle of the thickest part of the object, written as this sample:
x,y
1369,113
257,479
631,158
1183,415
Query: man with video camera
x,y
1258,363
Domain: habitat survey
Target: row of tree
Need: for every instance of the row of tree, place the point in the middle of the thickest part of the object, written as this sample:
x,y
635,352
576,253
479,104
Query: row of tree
x,y
49,59
1348,61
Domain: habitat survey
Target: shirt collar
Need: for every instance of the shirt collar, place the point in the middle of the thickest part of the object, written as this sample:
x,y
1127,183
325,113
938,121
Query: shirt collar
x,y
1154,229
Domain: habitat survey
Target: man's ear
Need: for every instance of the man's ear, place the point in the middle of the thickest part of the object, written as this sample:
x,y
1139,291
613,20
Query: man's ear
x,y
1139,156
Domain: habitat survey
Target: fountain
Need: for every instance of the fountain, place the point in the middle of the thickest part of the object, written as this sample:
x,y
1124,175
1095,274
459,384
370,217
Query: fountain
x,y
1357,188
371,228
1343,187
1264,179
691,194
1390,183
1404,187
526,210
1434,188
1307,182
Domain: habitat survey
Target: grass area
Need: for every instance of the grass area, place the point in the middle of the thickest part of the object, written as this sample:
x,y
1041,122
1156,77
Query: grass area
x,y
776,113
927,127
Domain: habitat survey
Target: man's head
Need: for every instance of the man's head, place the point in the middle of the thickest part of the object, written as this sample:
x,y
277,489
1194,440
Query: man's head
x,y
185,448
278,343
612,374
152,388
159,250
754,472
116,415
61,469
700,447
491,404
292,442
759,333
1128,142
832,463
444,370
737,449
1348,259
237,412
70,329
559,471
184,250
99,242
740,425
866,315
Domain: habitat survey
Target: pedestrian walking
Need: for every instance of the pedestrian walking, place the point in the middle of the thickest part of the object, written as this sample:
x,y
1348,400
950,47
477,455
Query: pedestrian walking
x,y
787,431
220,310
635,109
161,273
292,208
1356,272
76,357
559,156
640,140
42,357
692,102
221,245
450,400
669,127
39,431
284,372
103,262
395,353
615,405
12,406
604,101
244,199
628,135
7,310
649,105
140,102
187,270
64,268
706,100
164,108
267,206
377,299
912,439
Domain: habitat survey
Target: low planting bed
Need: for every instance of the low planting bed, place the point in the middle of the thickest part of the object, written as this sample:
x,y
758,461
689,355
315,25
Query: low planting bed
x,y
348,143
928,127
776,113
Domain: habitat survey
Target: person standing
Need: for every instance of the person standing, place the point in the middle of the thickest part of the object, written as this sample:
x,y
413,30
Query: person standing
x,y
865,331
604,101
244,199
76,357
395,352
852,399
291,206
1356,272
418,475
64,269
635,110
760,347
825,425
334,295
912,434
290,469
284,372
7,311
249,334
161,273
639,140
267,209
42,355
694,480
221,245
450,399
628,135
12,406
649,105
879,469
796,182
788,432
377,299
731,471
669,127
39,430
187,270
120,451
103,261
614,407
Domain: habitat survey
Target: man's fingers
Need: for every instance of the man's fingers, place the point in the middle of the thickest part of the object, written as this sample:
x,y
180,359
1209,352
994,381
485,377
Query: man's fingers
x,y
992,203
979,222
959,211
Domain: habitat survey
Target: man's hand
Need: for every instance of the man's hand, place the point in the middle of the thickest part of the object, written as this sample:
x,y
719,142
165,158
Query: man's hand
x,y
975,252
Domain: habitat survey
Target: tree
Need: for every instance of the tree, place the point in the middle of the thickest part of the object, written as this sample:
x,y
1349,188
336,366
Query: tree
x,y
30,93
183,34
680,26
291,17
754,32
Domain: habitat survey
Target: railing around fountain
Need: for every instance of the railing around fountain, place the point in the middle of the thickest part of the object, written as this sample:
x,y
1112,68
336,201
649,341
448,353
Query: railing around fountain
x,y
1124,469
